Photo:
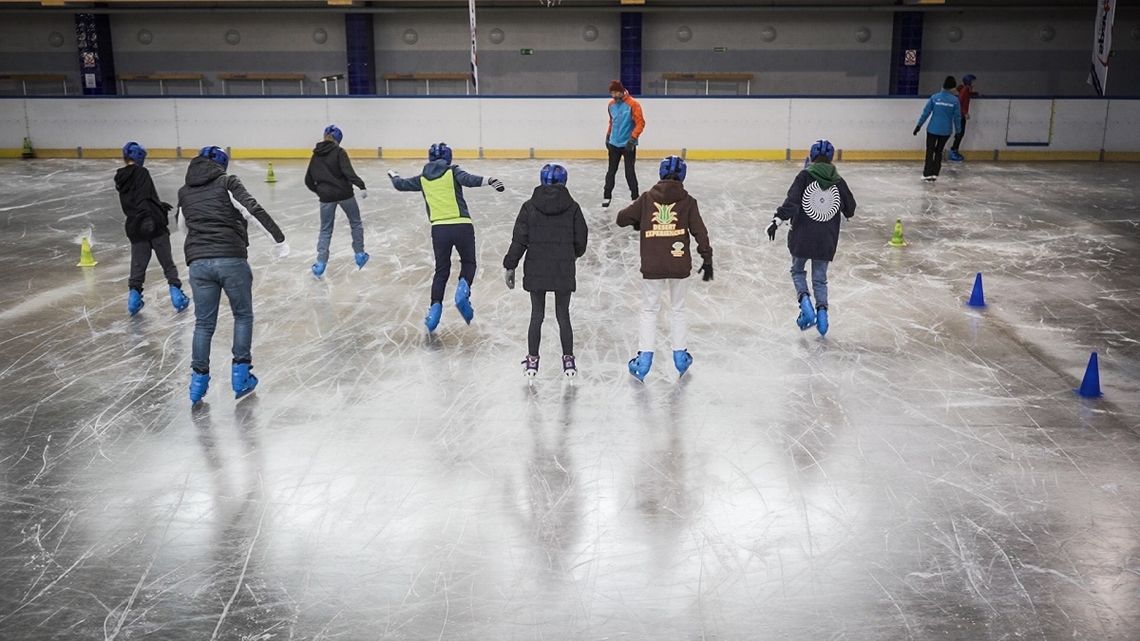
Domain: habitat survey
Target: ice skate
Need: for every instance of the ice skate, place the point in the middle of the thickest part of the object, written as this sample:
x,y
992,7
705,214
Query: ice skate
x,y
639,365
806,318
821,320
682,360
134,301
199,383
531,363
433,315
568,366
361,259
606,202
242,379
319,269
955,156
178,299
463,301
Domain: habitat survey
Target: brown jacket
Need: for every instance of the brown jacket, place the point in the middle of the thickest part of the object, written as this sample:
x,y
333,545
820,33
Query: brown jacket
x,y
667,217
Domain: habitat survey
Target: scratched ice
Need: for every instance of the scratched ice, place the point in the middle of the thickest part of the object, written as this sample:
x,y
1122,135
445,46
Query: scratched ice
x,y
924,472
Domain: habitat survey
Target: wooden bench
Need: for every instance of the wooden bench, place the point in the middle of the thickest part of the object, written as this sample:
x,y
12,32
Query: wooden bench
x,y
25,78
263,78
427,77
335,79
709,77
161,79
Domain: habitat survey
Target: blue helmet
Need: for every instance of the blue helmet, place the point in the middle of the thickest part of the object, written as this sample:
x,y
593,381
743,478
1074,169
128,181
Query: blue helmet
x,y
216,154
822,149
552,174
438,151
335,132
969,79
673,167
134,152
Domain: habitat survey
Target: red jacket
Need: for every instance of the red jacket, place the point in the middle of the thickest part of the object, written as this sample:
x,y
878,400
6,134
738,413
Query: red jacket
x,y
964,94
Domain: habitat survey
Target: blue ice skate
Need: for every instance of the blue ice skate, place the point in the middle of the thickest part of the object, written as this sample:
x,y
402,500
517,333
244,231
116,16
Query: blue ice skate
x,y
463,300
361,258
134,302
319,269
433,315
639,365
178,299
199,383
955,156
242,379
682,360
806,318
821,320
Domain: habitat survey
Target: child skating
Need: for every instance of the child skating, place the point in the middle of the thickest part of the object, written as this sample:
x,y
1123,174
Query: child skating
x,y
216,242
147,228
551,231
816,197
666,217
331,177
442,185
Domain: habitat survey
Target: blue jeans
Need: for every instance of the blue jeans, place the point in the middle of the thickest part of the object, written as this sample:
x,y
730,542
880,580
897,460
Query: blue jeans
x,y
328,215
208,278
799,279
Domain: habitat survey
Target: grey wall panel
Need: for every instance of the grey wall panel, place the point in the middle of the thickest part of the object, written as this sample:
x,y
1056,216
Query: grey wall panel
x,y
212,63
1011,73
777,72
26,46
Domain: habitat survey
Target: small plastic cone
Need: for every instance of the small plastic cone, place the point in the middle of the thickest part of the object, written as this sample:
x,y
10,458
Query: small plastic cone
x,y
85,257
269,177
28,152
897,236
977,297
1090,384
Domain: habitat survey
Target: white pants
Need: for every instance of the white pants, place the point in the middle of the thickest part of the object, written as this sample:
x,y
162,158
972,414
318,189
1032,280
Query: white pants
x,y
651,291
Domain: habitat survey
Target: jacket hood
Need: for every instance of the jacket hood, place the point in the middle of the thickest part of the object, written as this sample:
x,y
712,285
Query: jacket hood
x,y
325,147
435,169
824,173
126,175
551,200
202,171
668,191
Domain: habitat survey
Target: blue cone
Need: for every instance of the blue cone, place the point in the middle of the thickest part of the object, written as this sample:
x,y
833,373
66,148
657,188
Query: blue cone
x,y
977,297
1090,384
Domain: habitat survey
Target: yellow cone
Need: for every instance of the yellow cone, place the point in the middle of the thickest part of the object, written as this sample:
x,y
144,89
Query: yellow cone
x,y
897,237
28,152
85,257
270,178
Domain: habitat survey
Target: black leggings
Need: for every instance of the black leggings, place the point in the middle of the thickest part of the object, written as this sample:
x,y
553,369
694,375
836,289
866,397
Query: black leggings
x,y
561,312
140,259
935,145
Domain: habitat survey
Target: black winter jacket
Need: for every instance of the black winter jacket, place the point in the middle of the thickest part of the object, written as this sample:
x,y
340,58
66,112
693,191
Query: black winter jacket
x,y
814,211
146,214
330,175
552,231
214,227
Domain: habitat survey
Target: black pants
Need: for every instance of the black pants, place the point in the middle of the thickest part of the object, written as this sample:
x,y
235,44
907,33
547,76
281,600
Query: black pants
x,y
561,312
444,238
958,136
616,155
935,145
140,259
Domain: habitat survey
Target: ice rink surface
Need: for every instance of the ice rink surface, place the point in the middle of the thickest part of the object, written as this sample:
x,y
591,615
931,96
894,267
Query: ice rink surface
x,y
923,472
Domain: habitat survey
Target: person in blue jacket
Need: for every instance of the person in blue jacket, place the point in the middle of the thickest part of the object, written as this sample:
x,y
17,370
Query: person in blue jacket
x,y
945,116
442,185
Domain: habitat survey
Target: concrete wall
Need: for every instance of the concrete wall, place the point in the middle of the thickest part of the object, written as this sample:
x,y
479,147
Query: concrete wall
x,y
800,53
756,127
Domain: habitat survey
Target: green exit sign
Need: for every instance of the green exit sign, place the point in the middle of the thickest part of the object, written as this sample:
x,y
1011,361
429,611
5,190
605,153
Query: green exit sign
x,y
526,52
720,49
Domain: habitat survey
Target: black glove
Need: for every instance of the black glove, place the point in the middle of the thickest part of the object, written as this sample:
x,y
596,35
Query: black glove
x,y
631,145
166,207
496,183
707,268
917,128
509,278
636,225
772,229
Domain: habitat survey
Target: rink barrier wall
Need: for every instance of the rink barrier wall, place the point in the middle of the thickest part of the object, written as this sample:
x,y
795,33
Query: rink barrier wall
x,y
758,128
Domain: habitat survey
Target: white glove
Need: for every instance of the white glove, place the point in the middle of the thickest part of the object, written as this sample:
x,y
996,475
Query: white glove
x,y
281,249
496,183
392,174
363,194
